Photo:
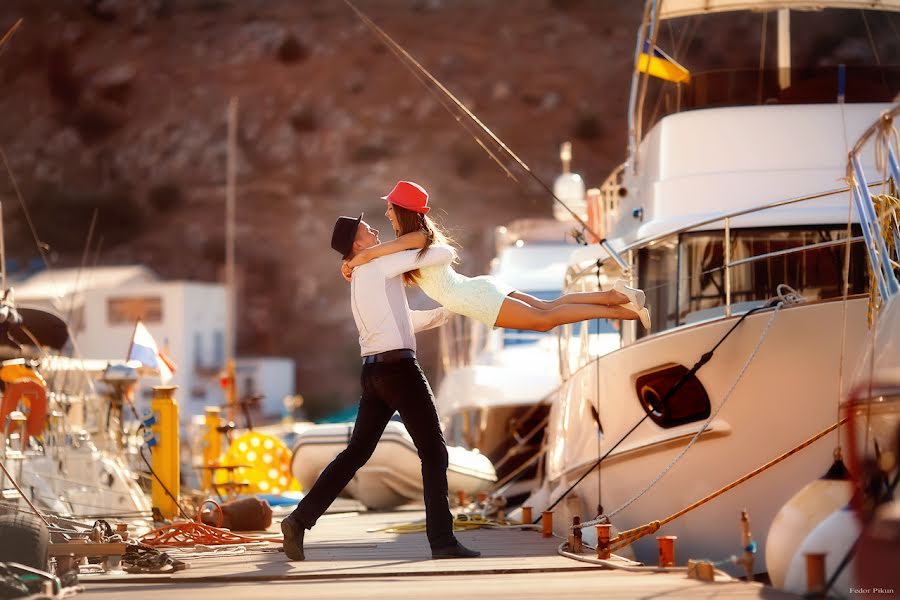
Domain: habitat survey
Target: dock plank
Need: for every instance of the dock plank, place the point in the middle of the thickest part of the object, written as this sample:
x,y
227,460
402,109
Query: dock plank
x,y
343,560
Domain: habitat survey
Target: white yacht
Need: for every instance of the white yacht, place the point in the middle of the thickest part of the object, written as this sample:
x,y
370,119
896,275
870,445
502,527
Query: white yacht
x,y
733,194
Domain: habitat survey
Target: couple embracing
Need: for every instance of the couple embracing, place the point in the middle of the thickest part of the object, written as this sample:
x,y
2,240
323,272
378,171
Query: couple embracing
x,y
391,377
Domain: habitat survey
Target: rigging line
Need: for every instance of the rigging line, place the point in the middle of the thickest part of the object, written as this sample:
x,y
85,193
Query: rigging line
x,y
430,83
871,38
82,484
669,393
42,251
41,247
645,76
22,494
706,425
388,40
688,277
84,259
447,106
845,275
762,57
163,485
24,329
890,21
689,29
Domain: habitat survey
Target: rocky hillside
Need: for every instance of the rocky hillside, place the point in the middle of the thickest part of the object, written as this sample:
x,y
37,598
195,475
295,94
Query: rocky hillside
x,y
119,106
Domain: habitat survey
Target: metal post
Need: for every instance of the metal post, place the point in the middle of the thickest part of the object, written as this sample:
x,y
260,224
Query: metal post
x,y
230,202
727,267
784,48
165,452
212,446
547,523
815,572
526,515
878,254
603,551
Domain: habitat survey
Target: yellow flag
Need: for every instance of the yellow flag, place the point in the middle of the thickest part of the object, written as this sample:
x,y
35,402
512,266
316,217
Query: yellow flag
x,y
663,66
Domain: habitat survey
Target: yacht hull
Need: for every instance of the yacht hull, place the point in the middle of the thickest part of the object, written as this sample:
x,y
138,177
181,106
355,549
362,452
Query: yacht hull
x,y
790,391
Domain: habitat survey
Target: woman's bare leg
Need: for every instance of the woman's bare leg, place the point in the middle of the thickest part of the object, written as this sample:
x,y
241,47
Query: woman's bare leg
x,y
518,314
610,297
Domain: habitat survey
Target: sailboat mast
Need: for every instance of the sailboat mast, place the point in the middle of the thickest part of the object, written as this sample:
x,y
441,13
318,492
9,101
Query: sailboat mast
x,y
230,296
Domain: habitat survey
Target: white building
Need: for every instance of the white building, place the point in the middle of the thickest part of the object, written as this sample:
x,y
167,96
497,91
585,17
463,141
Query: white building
x,y
186,319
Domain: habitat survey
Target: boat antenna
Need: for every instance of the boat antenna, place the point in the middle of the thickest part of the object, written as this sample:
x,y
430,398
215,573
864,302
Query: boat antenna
x,y
438,89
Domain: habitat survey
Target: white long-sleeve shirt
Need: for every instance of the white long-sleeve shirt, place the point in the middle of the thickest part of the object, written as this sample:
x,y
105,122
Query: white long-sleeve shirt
x,y
379,303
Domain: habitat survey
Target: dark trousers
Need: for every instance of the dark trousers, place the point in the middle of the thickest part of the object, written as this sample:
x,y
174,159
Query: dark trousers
x,y
387,387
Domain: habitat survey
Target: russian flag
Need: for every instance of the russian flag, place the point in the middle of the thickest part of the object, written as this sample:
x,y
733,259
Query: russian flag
x,y
145,351
659,64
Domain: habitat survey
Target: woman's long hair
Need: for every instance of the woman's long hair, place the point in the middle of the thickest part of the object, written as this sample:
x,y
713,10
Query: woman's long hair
x,y
409,221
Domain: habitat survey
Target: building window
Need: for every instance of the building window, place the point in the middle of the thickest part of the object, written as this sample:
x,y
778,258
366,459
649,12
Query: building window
x,y
121,311
198,351
218,349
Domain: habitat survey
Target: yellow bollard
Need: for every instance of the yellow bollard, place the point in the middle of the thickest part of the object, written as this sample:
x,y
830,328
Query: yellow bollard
x,y
212,445
165,450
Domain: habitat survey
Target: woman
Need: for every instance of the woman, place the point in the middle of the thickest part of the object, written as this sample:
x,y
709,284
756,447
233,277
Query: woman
x,y
485,298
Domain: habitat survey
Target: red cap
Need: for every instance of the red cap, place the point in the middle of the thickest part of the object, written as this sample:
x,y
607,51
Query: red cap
x,y
409,195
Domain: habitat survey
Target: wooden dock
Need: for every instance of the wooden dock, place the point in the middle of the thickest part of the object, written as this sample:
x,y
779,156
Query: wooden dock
x,y
344,561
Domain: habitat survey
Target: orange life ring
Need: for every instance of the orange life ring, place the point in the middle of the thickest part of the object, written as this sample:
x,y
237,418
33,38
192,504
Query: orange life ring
x,y
27,396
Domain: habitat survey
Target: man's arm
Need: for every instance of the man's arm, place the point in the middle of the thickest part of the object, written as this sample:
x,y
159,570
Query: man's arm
x,y
401,262
423,320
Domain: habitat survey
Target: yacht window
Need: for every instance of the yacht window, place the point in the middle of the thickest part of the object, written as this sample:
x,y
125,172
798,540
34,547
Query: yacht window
x,y
734,78
690,403
816,273
658,277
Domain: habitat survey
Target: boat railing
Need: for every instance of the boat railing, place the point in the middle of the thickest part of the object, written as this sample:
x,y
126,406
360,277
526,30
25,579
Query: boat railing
x,y
610,197
879,220
460,341
728,219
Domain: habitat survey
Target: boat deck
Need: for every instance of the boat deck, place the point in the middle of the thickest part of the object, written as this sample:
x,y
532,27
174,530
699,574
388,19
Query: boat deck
x,y
343,560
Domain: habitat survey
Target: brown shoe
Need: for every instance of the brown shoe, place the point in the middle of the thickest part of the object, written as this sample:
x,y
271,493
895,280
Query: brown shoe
x,y
293,539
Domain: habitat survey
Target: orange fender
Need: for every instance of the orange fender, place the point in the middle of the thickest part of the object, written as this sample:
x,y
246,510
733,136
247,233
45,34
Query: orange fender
x,y
28,397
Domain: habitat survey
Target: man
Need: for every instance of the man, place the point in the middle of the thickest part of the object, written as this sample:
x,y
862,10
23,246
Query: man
x,y
391,381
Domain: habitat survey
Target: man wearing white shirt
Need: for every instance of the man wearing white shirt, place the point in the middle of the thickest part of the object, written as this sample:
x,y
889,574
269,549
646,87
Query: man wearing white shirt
x,y
391,381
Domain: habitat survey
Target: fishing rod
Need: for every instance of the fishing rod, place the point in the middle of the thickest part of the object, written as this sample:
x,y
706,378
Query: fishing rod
x,y
10,33
425,77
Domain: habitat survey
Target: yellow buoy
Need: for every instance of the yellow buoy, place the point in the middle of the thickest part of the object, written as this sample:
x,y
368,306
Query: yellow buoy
x,y
267,463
